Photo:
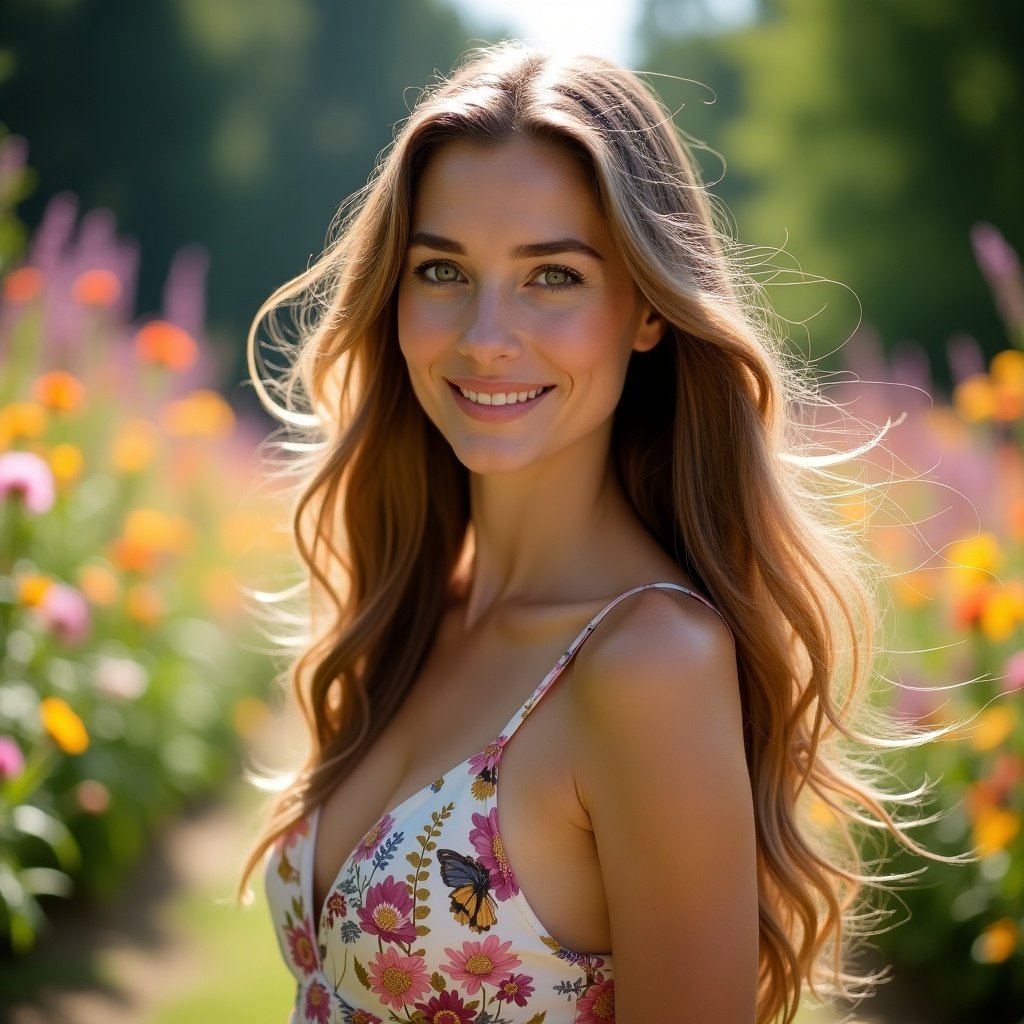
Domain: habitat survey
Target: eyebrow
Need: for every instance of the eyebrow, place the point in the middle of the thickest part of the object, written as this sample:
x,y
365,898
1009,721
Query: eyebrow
x,y
519,252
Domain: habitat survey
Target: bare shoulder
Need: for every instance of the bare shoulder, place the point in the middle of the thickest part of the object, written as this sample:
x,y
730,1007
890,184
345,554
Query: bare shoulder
x,y
655,645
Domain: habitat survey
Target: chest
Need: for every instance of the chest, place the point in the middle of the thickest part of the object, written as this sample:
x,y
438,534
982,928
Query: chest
x,y
464,698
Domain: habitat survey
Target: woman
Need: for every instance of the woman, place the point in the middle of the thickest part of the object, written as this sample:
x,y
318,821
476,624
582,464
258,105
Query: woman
x,y
555,449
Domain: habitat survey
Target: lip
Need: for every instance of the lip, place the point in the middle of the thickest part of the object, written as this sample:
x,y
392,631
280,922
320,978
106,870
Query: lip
x,y
496,413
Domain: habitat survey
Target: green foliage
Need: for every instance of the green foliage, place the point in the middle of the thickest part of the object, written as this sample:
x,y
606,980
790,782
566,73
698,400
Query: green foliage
x,y
868,137
127,662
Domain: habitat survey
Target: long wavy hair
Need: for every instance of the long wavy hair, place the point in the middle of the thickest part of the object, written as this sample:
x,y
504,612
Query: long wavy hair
x,y
706,446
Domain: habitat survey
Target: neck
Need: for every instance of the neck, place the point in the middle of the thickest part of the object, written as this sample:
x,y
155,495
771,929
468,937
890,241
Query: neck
x,y
538,533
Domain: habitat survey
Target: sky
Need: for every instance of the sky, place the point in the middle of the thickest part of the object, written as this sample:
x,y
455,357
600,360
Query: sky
x,y
601,27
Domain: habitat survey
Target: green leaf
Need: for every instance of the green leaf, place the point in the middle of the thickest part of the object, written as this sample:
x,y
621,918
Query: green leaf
x,y
361,974
46,882
31,821
421,912
538,1018
437,982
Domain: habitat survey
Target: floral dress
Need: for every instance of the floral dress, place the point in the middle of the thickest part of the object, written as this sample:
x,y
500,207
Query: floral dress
x,y
425,922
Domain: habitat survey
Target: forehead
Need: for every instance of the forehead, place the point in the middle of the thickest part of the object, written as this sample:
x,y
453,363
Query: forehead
x,y
529,183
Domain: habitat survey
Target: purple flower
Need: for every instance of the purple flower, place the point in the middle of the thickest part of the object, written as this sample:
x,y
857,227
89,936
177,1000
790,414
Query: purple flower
x,y
488,758
65,611
516,988
388,911
12,762
491,853
30,477
368,846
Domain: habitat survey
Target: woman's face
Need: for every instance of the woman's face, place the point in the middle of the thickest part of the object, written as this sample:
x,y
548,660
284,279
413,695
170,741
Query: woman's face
x,y
516,313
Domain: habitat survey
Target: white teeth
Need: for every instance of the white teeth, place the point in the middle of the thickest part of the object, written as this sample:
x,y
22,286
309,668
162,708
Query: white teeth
x,y
482,398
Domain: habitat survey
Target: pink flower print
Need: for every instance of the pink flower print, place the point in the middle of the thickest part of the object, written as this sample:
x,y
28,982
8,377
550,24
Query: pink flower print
x,y
302,947
388,911
317,1005
516,988
485,767
446,1008
480,963
360,1017
366,848
597,1005
491,853
293,835
398,979
29,477
336,906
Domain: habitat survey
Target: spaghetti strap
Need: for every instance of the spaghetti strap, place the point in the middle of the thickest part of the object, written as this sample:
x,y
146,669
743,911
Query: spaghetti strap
x,y
570,651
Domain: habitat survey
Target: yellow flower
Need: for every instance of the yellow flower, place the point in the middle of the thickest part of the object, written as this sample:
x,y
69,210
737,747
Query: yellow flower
x,y
59,391
134,447
99,584
975,398
992,726
999,616
31,589
63,725
994,828
973,560
997,942
199,414
22,420
66,462
1007,370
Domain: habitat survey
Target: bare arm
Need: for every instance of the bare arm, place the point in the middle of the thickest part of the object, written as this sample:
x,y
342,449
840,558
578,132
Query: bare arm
x,y
662,774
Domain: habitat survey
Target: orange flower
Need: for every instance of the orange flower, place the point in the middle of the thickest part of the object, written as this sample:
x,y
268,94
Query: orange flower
x,y
66,462
199,414
149,527
22,420
131,556
31,588
134,447
167,345
144,604
997,942
59,391
994,829
992,726
975,398
99,584
96,288
63,725
23,284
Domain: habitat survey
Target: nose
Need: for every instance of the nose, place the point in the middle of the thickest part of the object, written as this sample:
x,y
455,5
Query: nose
x,y
489,334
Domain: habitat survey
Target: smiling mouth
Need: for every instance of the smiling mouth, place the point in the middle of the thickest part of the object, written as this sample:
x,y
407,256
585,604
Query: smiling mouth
x,y
501,398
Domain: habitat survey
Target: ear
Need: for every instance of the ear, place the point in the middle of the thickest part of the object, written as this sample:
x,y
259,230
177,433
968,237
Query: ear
x,y
651,330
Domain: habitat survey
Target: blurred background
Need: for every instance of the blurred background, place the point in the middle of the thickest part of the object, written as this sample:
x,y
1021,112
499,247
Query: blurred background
x,y
164,166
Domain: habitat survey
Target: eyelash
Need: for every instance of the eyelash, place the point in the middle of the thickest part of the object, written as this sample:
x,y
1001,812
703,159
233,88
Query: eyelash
x,y
575,277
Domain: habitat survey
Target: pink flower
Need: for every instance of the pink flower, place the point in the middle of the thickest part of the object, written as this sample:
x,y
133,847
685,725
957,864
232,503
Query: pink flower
x,y
516,988
30,477
292,836
302,947
491,853
336,906
398,979
366,849
597,1005
1013,673
388,911
12,761
66,612
318,1004
121,678
446,1008
480,963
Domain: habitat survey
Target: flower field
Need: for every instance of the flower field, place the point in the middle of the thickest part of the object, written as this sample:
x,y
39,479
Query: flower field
x,y
129,663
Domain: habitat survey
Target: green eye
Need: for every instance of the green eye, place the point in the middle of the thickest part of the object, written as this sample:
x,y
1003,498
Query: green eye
x,y
555,278
444,272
